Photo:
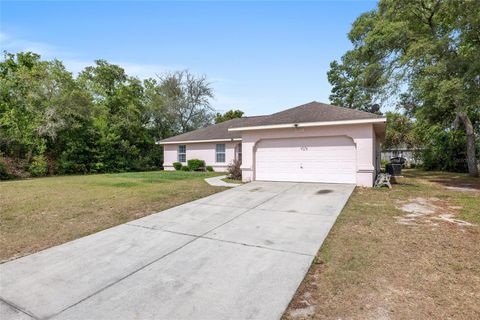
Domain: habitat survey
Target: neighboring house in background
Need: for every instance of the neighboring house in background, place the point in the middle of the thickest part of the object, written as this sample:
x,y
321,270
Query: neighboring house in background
x,y
314,142
410,154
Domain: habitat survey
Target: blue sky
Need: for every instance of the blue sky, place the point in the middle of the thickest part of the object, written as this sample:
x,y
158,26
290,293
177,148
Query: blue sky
x,y
261,57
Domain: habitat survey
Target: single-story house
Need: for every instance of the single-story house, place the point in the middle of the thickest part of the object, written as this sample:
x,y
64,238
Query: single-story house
x,y
314,142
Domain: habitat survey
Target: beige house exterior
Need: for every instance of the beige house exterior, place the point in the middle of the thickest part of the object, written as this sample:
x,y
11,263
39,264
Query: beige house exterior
x,y
314,142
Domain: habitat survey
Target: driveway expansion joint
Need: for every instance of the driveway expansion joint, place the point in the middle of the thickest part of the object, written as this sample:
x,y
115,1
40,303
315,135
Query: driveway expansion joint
x,y
19,309
220,240
120,279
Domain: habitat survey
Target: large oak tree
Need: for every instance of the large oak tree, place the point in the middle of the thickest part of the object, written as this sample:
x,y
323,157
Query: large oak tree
x,y
425,51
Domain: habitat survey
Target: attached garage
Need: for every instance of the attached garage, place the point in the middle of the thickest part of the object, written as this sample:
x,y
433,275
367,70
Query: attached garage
x,y
314,142
312,159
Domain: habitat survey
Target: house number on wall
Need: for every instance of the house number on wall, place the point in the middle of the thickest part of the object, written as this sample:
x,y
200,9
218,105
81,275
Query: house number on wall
x,y
304,148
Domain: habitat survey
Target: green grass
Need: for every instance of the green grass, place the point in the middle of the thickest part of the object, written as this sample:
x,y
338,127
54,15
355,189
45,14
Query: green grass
x,y
232,180
39,213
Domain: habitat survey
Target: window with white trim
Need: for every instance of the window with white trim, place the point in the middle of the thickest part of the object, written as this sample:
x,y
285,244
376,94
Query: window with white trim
x,y
220,153
239,152
182,153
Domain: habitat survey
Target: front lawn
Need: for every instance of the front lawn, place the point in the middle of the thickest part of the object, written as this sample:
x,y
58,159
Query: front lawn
x,y
39,213
407,253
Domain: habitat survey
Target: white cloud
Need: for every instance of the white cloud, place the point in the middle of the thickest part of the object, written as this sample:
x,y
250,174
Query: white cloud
x,y
141,71
252,106
76,65
15,45
222,102
144,71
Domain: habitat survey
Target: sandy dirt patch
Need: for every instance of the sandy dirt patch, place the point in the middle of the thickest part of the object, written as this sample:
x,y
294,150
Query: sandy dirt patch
x,y
429,211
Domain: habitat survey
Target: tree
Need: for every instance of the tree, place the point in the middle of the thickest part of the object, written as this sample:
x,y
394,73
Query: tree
x,y
229,115
188,97
350,89
101,121
39,100
119,115
427,49
161,119
400,131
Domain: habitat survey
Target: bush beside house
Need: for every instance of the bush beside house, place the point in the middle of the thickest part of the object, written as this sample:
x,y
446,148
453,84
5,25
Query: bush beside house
x,y
234,171
196,165
177,165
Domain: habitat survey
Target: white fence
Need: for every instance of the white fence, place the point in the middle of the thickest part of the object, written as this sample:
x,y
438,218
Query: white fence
x,y
409,154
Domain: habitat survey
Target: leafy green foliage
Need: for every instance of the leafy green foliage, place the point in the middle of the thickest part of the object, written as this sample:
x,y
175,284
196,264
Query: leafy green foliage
x,y
423,56
101,121
229,115
177,165
196,164
209,168
399,131
443,150
4,175
352,90
38,167
185,168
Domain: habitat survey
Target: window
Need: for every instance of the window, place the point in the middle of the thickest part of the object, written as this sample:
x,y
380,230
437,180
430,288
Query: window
x,y
220,152
182,153
239,152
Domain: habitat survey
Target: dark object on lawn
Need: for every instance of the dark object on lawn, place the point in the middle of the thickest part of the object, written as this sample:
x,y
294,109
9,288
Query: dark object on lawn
x,y
398,160
394,169
383,180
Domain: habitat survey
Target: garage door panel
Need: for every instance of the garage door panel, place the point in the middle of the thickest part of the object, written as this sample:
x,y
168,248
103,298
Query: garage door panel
x,y
322,159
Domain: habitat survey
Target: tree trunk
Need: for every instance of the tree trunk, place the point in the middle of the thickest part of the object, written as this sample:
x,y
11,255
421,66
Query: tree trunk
x,y
471,159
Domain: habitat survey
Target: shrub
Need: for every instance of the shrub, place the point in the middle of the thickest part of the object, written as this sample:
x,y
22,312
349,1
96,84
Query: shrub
x,y
384,162
209,168
444,150
177,165
4,175
234,171
185,168
38,167
14,168
196,164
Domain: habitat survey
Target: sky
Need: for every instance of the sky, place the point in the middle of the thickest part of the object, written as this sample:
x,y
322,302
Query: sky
x,y
261,57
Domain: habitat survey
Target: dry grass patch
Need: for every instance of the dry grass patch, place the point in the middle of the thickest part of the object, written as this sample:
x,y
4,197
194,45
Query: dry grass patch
x,y
40,213
373,266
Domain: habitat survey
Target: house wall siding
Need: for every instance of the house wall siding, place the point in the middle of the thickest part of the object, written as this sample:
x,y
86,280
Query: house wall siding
x,y
202,151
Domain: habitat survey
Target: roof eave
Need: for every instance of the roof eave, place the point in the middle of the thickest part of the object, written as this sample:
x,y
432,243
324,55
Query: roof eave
x,y
309,124
200,141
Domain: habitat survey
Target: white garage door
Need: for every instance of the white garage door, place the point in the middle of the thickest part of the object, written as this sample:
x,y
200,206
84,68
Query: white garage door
x,y
321,159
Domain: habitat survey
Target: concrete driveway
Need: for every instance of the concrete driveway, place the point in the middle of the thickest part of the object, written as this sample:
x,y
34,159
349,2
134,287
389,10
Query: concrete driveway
x,y
238,254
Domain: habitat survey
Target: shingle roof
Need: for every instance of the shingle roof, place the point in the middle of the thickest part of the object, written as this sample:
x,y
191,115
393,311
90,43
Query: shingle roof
x,y
310,112
214,132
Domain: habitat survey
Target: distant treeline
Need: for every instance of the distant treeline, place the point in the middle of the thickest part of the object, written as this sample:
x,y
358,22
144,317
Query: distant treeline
x,y
100,121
